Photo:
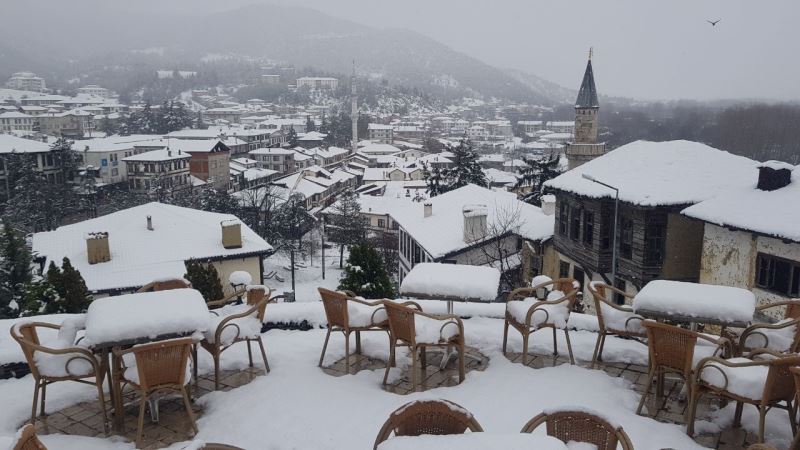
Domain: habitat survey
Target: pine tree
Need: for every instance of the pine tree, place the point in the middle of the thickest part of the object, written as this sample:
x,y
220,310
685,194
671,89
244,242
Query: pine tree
x,y
347,226
533,176
199,123
205,279
291,138
466,169
433,178
310,125
40,297
72,295
15,271
365,274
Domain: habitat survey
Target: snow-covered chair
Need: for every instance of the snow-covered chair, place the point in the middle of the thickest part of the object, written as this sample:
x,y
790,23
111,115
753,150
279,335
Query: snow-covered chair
x,y
238,323
157,367
577,425
527,311
26,439
782,336
438,417
675,350
613,319
348,314
59,360
165,285
764,380
412,328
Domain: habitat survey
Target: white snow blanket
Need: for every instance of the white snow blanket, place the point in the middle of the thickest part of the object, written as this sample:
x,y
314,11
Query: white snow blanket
x,y
145,315
712,303
432,331
474,441
556,315
361,315
615,319
452,281
747,382
780,339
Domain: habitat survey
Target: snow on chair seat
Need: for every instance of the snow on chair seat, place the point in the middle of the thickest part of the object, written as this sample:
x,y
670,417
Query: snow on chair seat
x,y
542,314
744,381
363,315
434,331
781,336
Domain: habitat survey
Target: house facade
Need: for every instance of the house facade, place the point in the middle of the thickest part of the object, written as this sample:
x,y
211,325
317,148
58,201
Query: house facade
x,y
158,170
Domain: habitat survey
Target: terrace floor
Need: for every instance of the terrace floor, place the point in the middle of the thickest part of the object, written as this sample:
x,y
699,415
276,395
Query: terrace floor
x,y
84,419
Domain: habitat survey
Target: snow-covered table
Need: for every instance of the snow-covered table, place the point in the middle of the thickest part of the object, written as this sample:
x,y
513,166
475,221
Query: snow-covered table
x,y
127,320
695,303
474,441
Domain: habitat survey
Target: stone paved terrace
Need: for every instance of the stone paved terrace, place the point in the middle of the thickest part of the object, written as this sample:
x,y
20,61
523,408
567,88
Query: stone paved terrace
x,y
173,426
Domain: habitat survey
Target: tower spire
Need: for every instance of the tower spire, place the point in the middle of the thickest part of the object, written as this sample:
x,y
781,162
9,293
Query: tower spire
x,y
591,50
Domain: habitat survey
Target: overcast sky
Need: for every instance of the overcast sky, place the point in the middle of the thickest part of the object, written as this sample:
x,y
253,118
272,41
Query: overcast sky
x,y
649,49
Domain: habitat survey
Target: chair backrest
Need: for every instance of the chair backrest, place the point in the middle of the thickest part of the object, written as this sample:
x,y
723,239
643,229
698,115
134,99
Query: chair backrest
x,y
28,439
780,383
27,337
335,304
255,295
565,285
599,292
438,417
162,363
792,310
581,426
166,285
670,347
401,322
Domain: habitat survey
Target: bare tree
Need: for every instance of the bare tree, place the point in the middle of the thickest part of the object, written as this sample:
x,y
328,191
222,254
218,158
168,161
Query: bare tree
x,y
499,247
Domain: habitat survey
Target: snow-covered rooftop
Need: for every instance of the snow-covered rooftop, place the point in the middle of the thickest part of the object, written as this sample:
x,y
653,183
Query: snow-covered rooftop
x,y
158,156
139,255
10,144
772,213
660,173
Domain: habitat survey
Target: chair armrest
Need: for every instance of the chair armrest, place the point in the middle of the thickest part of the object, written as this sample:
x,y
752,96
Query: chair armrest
x,y
227,321
448,319
224,301
755,329
722,343
711,361
538,307
776,304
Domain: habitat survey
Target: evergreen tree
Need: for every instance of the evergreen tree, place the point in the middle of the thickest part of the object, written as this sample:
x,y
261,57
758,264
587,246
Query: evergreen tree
x,y
15,271
291,138
533,176
107,126
347,225
365,273
73,296
433,178
199,123
40,297
205,279
466,170
310,125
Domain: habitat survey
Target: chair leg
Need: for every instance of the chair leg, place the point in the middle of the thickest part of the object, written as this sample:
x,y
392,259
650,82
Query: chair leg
x,y
596,350
194,366
461,370
44,394
569,347
424,358
358,342
249,353
324,347
694,399
35,402
347,353
189,409
648,386
263,353
602,346
737,415
790,410
216,370
555,343
762,416
102,398
142,402
414,369
505,336
389,362
525,337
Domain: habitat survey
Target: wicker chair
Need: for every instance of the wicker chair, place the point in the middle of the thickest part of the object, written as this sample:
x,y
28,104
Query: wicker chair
x,y
581,426
610,318
28,440
405,326
671,350
732,379
537,315
438,417
758,335
159,366
50,365
166,285
233,328
348,314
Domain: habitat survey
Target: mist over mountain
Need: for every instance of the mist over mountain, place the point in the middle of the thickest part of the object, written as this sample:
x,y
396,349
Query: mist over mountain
x,y
73,32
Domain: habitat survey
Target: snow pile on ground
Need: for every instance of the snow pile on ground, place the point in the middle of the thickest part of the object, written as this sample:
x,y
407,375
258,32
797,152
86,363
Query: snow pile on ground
x,y
475,441
725,303
476,283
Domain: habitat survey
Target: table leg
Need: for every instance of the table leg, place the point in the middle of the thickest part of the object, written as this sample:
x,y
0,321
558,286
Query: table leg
x,y
116,394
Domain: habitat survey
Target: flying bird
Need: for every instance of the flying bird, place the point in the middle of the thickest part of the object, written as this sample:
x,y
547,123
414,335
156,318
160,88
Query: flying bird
x,y
713,22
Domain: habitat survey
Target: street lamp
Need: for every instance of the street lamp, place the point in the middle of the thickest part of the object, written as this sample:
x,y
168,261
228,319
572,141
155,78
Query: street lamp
x,y
586,176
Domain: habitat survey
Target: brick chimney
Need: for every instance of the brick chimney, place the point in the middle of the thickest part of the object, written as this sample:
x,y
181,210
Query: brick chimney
x,y
231,233
97,247
773,175
474,222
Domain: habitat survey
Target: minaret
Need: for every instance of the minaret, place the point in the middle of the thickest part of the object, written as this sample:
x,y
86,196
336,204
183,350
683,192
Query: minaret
x,y
354,109
584,146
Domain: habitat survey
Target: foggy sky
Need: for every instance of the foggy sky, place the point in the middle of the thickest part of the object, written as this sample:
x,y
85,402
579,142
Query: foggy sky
x,y
645,49
649,49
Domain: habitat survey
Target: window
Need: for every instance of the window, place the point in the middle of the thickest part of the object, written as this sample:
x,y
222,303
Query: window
x,y
625,237
588,227
778,274
563,218
575,223
655,237
381,223
563,269
619,298
606,222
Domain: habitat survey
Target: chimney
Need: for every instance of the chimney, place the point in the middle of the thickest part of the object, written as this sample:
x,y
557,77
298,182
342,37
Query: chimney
x,y
474,222
150,223
97,247
549,204
774,175
428,207
231,233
